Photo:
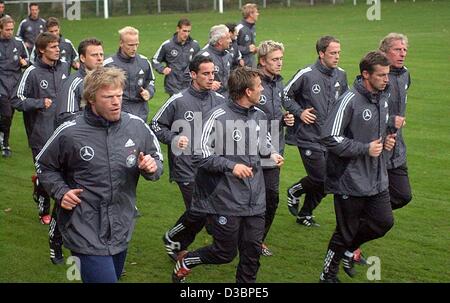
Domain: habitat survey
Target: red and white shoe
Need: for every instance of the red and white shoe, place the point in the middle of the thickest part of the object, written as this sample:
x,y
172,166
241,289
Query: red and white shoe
x,y
45,219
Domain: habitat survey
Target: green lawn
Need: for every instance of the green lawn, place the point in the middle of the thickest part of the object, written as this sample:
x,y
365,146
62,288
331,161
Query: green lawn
x,y
415,250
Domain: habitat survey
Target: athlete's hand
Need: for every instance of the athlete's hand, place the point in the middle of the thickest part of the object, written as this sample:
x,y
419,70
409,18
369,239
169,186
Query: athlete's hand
x,y
308,116
389,142
216,85
183,142
288,119
167,70
147,163
399,122
242,171
23,62
70,199
375,148
47,103
279,160
145,94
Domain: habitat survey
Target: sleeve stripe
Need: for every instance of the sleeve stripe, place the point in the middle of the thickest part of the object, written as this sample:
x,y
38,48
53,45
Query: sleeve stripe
x,y
298,75
155,140
55,134
23,81
207,131
338,119
162,109
71,97
155,57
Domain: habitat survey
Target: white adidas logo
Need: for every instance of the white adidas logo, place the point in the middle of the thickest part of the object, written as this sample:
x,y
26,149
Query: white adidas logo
x,y
129,143
141,72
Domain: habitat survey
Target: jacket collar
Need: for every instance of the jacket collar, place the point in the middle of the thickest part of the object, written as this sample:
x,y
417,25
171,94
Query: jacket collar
x,y
124,58
372,97
323,69
248,24
397,71
216,51
198,94
239,109
175,40
82,70
38,62
97,121
268,79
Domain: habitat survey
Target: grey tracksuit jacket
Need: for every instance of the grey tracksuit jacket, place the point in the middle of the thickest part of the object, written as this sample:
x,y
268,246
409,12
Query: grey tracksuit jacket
x,y
29,29
222,66
182,115
70,97
273,103
357,119
99,157
39,81
223,145
246,36
139,74
11,50
314,86
235,53
399,83
176,56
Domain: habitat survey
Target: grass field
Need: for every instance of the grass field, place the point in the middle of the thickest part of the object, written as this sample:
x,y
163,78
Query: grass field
x,y
415,250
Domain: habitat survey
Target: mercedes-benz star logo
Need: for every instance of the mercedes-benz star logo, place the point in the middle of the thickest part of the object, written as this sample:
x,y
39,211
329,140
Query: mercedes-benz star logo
x,y
315,88
44,84
367,114
262,100
87,153
237,136
188,116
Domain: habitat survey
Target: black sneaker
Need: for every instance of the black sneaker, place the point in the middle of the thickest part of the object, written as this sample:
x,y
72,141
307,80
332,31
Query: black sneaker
x,y
265,250
307,221
292,200
348,264
329,280
172,248
56,254
180,270
6,152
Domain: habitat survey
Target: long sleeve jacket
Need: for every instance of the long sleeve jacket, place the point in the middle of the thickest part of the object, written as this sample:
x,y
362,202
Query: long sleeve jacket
x,y
319,87
101,158
177,56
358,118
246,36
11,50
182,115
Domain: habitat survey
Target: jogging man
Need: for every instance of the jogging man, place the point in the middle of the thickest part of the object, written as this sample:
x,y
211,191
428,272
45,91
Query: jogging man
x,y
395,46
176,124
37,95
273,103
140,84
356,133
94,183
176,53
30,27
229,185
246,33
315,89
13,57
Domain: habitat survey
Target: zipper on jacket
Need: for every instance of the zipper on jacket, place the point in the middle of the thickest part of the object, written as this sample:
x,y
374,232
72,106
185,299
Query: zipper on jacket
x,y
111,189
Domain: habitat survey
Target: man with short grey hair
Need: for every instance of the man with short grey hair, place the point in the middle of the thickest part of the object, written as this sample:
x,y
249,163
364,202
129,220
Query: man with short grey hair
x,y
217,50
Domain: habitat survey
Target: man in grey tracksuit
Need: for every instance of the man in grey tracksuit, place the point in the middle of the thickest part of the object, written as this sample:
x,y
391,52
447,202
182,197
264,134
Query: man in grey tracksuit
x,y
140,85
91,57
246,33
176,53
37,95
395,46
13,57
356,133
234,48
229,185
315,89
91,166
217,50
178,124
273,103
30,27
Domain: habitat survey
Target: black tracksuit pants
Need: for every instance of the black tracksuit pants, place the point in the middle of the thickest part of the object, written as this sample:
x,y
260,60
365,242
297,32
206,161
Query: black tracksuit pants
x,y
399,187
272,183
312,184
6,116
230,235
